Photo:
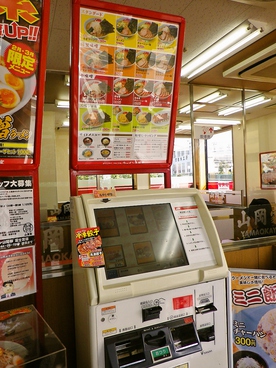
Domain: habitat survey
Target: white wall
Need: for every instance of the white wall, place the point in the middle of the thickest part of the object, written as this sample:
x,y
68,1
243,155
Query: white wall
x,y
47,169
54,165
62,164
260,137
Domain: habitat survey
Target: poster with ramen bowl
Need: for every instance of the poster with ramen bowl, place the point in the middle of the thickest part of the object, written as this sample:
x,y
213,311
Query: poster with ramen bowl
x,y
19,58
253,318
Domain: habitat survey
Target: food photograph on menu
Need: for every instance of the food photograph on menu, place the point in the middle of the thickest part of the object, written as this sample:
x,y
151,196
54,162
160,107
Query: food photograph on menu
x,y
126,83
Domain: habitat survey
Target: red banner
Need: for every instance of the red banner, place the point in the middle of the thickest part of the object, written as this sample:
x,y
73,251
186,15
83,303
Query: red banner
x,y
20,38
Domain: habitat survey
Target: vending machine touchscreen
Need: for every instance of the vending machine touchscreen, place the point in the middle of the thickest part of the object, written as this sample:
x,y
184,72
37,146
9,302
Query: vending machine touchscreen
x,y
160,299
139,239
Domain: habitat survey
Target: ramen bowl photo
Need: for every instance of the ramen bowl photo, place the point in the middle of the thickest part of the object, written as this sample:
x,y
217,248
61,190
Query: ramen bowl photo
x,y
98,27
123,86
145,59
125,58
124,118
126,27
93,118
147,30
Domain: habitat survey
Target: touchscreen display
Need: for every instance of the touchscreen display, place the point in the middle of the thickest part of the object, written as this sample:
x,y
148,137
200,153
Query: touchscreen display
x,y
139,239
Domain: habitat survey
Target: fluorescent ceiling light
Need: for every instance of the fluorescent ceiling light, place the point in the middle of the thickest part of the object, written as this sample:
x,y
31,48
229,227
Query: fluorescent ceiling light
x,y
229,111
258,100
183,127
186,109
67,80
248,103
234,40
217,122
188,127
62,103
213,97
65,123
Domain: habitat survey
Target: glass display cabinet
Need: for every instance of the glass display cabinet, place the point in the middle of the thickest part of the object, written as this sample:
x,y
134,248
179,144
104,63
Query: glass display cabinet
x,y
26,340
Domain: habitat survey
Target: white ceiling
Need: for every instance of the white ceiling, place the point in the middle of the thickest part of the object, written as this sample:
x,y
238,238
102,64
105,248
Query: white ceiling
x,y
206,22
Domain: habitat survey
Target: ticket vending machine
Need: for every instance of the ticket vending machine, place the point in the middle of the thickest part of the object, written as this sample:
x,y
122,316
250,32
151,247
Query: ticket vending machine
x,y
160,300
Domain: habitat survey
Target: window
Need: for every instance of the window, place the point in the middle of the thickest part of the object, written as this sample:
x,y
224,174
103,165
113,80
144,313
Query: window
x,y
220,161
181,169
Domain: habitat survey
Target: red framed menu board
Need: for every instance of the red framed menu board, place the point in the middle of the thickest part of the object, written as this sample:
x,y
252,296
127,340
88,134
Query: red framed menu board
x,y
124,86
24,29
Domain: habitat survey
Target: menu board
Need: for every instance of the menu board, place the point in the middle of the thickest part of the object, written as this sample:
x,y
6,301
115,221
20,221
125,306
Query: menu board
x,y
126,86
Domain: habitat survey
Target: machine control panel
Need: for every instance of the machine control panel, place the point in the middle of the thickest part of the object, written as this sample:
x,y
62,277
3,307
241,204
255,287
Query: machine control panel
x,y
145,347
164,328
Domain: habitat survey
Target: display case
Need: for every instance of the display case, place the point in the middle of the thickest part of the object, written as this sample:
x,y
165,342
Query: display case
x,y
26,339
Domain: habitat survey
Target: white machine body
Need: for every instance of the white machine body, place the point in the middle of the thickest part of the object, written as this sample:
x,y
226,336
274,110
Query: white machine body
x,y
162,300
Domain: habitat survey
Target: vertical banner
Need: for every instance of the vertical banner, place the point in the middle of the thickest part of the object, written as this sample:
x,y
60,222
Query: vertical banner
x,y
253,301
20,33
17,237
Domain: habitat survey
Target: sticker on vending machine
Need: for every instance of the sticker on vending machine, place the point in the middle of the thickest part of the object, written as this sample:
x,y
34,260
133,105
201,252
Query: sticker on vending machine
x,y
89,247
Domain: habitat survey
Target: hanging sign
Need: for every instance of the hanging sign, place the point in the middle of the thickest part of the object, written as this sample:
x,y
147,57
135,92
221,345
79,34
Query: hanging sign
x,y
203,132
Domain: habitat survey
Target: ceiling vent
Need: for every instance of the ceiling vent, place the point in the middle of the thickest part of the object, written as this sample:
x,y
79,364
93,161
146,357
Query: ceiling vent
x,y
260,67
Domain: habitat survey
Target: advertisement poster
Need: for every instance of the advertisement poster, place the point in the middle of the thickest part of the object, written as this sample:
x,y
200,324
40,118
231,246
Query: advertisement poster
x,y
17,273
89,247
17,237
19,47
16,212
253,301
268,170
126,82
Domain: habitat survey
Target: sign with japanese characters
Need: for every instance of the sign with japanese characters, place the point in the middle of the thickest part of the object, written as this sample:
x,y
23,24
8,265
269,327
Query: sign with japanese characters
x,y
203,132
255,221
16,212
20,23
89,247
253,300
17,237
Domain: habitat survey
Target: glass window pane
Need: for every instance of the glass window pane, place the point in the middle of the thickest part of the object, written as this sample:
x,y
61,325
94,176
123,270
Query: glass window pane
x,y
220,161
182,165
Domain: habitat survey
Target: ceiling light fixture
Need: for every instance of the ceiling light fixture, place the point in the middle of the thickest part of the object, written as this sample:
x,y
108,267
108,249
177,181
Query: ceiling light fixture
x,y
187,109
234,40
188,127
248,103
65,123
183,127
67,80
213,97
62,103
217,122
